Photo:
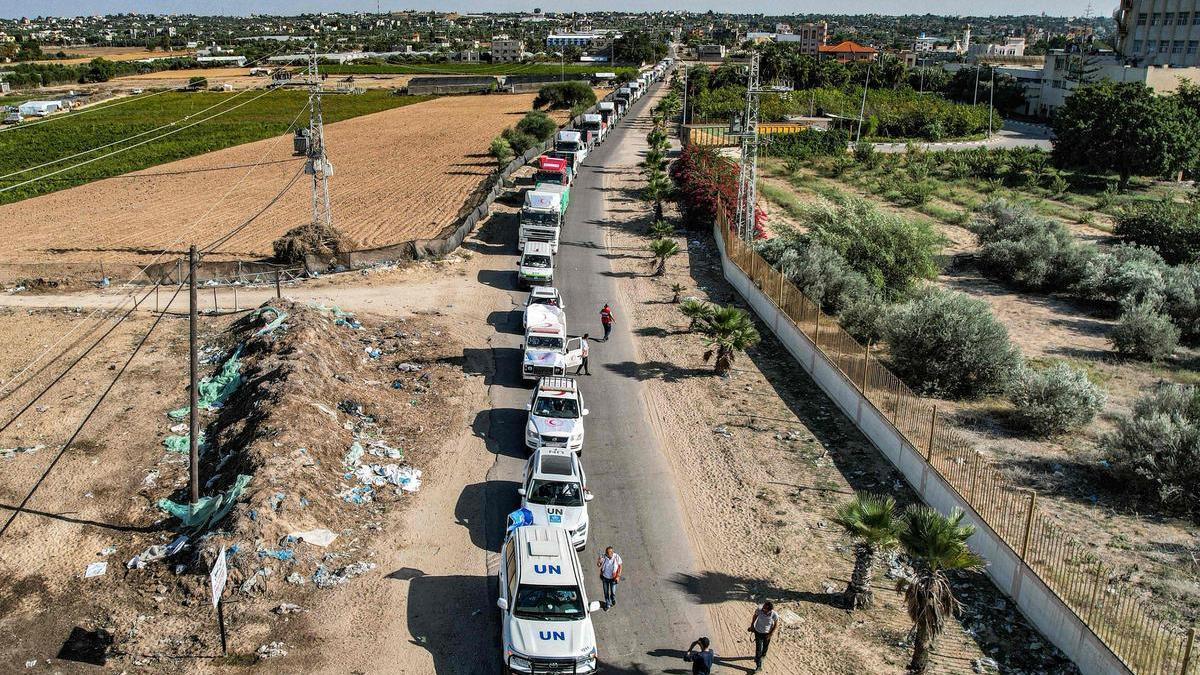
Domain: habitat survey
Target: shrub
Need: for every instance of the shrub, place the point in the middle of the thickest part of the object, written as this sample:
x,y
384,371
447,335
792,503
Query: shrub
x,y
537,124
865,154
1025,249
914,192
1170,228
1144,333
948,343
1054,400
1158,447
821,274
565,95
864,318
518,141
1124,273
890,251
1181,300
501,150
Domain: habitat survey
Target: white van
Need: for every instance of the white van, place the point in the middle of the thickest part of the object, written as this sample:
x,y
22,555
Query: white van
x,y
545,616
536,266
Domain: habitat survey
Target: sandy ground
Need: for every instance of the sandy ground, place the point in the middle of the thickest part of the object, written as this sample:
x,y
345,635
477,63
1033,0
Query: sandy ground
x,y
400,174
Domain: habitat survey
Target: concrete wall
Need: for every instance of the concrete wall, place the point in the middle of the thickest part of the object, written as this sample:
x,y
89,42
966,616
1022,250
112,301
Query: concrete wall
x,y
1036,601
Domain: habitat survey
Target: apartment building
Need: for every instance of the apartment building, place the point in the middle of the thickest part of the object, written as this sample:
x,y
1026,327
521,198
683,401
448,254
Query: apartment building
x,y
1159,32
808,37
506,50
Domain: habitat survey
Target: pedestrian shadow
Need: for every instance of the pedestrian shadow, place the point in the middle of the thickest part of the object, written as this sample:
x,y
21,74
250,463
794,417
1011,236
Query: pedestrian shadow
x,y
677,655
482,508
654,370
711,588
439,631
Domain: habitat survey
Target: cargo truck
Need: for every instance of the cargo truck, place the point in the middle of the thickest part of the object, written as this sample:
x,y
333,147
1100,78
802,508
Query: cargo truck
x,y
554,170
541,218
570,144
608,113
562,192
595,128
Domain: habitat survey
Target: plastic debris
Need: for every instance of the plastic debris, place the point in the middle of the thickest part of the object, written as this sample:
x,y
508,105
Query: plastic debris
x,y
276,500
209,510
272,650
373,352
108,550
723,430
323,578
357,495
9,453
985,664
96,569
31,663
382,449
280,317
287,608
216,389
181,444
317,537
296,578
354,455
406,478
281,554
408,367
157,552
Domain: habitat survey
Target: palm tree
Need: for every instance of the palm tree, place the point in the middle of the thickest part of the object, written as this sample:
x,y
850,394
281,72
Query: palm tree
x,y
727,331
696,310
663,249
936,544
658,187
661,228
676,289
871,520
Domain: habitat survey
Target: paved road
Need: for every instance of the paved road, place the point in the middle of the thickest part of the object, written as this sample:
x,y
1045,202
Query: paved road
x,y
636,508
1013,135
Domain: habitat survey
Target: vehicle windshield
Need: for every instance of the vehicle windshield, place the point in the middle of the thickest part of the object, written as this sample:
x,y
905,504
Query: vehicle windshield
x,y
548,603
543,342
591,125
558,408
548,177
539,261
541,300
554,493
565,146
539,218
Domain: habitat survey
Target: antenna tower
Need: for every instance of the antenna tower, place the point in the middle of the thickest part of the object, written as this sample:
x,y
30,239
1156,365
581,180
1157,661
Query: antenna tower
x,y
747,204
318,165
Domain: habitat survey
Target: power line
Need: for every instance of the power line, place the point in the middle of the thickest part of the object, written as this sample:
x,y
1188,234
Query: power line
x,y
226,237
128,99
123,140
135,145
88,417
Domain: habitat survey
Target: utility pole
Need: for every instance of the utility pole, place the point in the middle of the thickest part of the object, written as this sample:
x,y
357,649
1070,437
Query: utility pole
x,y
683,114
194,389
991,100
975,101
747,205
862,110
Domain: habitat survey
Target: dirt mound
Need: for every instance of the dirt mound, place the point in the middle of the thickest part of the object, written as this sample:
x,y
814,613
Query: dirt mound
x,y
324,424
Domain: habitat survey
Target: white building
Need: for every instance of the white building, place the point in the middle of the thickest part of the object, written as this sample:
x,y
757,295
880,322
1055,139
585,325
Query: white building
x,y
235,61
581,40
1013,46
1159,32
39,108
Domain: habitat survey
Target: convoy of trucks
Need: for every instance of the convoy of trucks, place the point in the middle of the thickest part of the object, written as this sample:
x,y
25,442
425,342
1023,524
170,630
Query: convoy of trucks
x,y
546,616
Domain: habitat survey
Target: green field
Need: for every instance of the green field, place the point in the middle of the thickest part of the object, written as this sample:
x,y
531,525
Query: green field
x,y
464,69
270,115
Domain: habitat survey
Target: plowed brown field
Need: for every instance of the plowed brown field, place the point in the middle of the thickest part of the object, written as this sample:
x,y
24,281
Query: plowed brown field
x,y
399,175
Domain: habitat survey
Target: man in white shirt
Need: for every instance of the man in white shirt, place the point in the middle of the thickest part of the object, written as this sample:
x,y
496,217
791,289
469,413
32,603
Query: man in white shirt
x,y
583,344
763,625
610,575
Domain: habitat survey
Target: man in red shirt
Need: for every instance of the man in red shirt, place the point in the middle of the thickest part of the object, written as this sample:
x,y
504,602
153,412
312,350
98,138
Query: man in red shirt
x,y
606,320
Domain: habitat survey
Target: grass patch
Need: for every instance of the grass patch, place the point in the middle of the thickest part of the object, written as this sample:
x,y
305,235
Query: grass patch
x,y
783,198
265,117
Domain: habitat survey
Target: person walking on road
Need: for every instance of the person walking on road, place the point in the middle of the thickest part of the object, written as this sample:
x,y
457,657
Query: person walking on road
x,y
606,320
610,565
763,624
583,345
702,658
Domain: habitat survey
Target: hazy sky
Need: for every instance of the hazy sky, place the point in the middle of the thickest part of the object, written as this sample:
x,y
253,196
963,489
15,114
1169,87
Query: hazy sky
x,y
18,8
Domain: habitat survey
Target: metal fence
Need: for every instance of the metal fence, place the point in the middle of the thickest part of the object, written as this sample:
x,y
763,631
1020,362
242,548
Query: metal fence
x,y
1118,613
717,133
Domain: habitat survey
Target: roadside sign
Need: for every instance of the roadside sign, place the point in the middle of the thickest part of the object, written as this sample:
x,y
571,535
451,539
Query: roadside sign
x,y
218,575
